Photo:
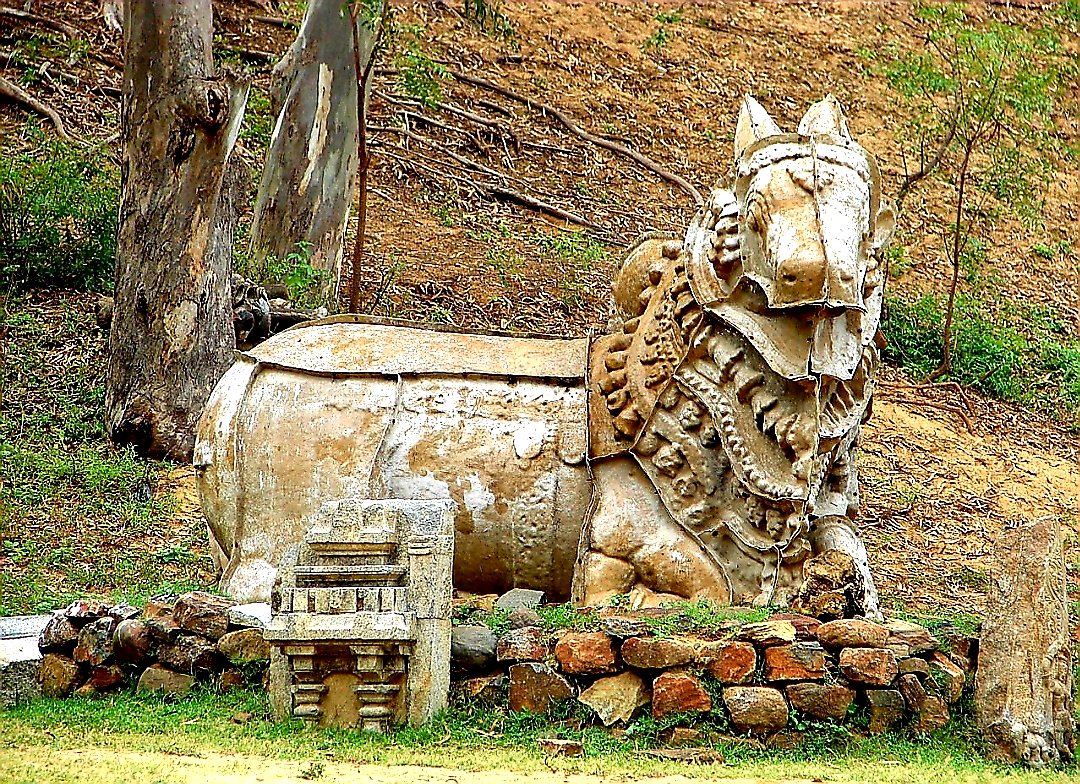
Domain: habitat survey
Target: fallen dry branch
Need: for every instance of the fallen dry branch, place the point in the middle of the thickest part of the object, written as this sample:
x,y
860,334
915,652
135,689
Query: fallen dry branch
x,y
643,160
40,21
466,162
540,206
933,404
15,93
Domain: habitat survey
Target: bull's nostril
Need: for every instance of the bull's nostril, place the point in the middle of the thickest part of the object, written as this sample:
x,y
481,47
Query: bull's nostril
x,y
846,277
790,278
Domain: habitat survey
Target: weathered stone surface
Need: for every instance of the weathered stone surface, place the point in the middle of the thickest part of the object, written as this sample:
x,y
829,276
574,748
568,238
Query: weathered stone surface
x,y
230,680
520,645
799,661
886,709
623,626
915,666
948,676
768,633
852,633
244,645
190,654
963,650
819,700
733,662
18,626
94,645
586,653
524,617
536,688
656,653
59,635
105,678
871,666
806,627
678,692
203,613
123,612
82,611
158,678
930,710
472,648
757,709
616,698
917,638
158,617
20,663
58,675
132,641
519,598
832,583
489,689
249,616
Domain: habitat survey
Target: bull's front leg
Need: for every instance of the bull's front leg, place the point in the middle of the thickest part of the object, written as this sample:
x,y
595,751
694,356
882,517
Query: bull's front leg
x,y
838,533
631,546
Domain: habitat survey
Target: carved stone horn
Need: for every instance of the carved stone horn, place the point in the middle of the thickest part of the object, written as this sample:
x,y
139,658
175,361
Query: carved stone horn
x,y
754,124
825,117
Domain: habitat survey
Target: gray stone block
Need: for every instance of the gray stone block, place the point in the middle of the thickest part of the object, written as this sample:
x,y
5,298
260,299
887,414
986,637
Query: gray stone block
x,y
520,598
20,661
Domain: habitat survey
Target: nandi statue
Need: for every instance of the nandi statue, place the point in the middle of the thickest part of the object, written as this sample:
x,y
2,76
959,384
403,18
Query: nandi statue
x,y
705,449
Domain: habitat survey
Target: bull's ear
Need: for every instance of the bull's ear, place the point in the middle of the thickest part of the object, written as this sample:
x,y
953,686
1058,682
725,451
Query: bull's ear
x,y
754,123
825,117
884,224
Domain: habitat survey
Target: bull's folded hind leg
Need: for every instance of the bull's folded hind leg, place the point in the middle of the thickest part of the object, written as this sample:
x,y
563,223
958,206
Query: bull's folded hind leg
x,y
630,545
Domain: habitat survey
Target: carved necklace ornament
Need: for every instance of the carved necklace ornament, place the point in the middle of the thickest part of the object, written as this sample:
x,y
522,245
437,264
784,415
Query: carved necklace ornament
x,y
740,388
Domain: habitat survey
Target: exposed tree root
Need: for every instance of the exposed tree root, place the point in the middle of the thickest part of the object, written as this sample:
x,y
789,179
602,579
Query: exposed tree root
x,y
15,93
40,21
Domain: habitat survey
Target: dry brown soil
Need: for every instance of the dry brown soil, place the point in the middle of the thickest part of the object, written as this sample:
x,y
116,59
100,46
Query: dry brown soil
x,y
937,493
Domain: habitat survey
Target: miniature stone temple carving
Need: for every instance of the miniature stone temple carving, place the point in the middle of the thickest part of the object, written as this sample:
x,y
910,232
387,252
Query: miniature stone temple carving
x,y
704,449
360,635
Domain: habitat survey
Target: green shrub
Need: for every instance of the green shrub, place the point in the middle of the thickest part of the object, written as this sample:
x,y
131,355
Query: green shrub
x,y
58,217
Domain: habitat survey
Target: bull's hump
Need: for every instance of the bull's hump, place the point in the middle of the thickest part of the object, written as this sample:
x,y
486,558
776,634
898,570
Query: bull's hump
x,y
360,346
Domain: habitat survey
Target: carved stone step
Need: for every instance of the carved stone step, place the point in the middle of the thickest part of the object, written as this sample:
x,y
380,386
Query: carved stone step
x,y
365,574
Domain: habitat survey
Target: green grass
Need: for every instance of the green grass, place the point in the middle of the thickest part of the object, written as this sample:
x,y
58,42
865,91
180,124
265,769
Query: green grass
x,y
1023,354
472,737
58,215
78,516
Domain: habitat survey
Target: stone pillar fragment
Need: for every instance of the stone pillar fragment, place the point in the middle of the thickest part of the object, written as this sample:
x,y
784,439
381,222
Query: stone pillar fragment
x,y
1024,682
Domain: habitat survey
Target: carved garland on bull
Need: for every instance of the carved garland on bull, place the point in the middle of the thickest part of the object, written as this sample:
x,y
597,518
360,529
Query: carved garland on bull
x,y
743,370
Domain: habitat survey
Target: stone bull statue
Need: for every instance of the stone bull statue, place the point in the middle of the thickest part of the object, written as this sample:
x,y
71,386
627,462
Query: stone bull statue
x,y
703,449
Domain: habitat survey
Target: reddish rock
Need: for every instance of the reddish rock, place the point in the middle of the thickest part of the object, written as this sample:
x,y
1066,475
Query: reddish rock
x,y
623,626
917,638
914,666
231,680
886,709
158,618
819,700
132,641
586,653
490,689
105,678
526,644
203,613
123,612
616,698
536,688
189,655
58,675
158,678
678,692
947,675
243,646
797,662
733,662
912,690
831,583
650,653
871,666
768,633
806,627
59,635
853,633
82,611
757,709
94,645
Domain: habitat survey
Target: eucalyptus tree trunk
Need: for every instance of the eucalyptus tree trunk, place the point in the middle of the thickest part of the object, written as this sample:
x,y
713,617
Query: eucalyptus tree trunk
x,y
172,333
307,183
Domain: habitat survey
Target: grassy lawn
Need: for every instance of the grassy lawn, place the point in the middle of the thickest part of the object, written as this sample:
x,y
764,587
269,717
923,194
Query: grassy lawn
x,y
465,738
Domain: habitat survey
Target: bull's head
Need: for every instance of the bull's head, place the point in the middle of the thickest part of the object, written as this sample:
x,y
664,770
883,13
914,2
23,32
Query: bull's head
x,y
797,266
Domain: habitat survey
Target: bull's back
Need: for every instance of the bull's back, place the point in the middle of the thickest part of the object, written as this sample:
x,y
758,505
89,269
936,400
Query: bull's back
x,y
355,408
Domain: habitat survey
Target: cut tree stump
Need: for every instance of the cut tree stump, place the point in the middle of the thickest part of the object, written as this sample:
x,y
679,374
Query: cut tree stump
x,y
1024,682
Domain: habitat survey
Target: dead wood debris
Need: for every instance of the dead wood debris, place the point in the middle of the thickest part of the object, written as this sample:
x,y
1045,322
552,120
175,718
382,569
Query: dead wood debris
x,y
18,95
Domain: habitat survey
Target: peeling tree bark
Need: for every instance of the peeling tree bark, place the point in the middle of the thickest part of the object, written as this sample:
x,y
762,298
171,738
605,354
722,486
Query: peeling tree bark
x,y
307,183
172,335
1024,680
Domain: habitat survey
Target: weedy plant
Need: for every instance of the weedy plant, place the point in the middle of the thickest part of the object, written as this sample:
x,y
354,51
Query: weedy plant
x,y
980,103
489,16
